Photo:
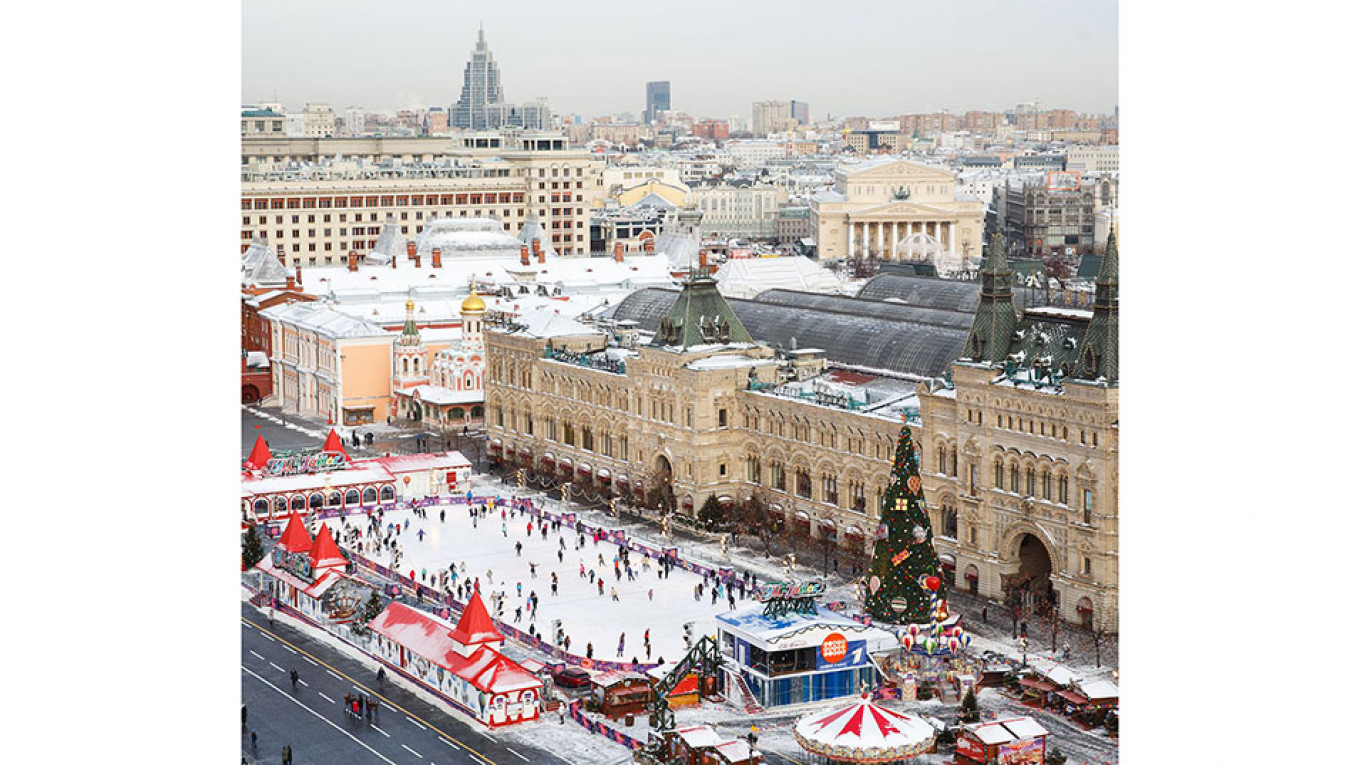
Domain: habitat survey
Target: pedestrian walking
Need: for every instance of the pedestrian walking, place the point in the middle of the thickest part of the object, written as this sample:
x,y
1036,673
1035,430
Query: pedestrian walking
x,y
293,675
243,716
984,613
519,546
600,583
253,740
590,650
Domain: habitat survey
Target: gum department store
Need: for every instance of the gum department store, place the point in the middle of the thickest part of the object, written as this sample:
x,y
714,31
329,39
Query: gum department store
x,y
800,397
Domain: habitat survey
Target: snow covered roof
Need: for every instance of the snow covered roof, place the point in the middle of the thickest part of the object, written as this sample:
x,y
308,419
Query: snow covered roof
x,y
532,230
407,463
261,266
697,736
1098,689
681,250
325,552
1005,731
547,323
437,394
257,360
476,625
466,237
308,482
431,638
748,277
799,630
728,361
391,244
324,320
295,537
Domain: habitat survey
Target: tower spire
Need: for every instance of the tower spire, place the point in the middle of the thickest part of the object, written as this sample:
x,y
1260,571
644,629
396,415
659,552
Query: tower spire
x,y
995,320
1098,356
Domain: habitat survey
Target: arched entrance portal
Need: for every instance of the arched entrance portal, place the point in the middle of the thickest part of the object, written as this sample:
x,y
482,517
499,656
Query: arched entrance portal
x,y
1031,585
660,493
249,394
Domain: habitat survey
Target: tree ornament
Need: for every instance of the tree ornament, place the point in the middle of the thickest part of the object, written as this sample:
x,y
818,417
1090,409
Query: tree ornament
x,y
918,533
874,584
932,583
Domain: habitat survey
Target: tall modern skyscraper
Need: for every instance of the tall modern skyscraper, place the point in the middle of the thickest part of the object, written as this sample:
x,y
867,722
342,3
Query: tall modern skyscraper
x,y
658,100
481,86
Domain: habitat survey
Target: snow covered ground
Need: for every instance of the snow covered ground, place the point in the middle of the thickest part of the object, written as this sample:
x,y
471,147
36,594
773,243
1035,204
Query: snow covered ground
x,y
587,616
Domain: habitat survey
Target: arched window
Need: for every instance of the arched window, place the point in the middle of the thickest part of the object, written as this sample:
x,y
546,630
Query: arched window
x,y
314,501
333,500
1088,505
1015,478
953,462
950,524
477,415
261,507
370,495
998,472
939,460
1048,484
299,503
1062,489
387,494
456,414
406,366
351,497
1029,481
803,483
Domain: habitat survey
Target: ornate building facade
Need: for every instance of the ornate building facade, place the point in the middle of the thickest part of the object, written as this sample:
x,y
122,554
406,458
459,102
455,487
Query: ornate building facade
x,y
1020,454
875,204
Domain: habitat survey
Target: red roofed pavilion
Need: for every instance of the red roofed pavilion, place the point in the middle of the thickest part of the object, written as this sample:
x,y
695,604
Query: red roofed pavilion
x,y
259,454
325,552
476,626
295,538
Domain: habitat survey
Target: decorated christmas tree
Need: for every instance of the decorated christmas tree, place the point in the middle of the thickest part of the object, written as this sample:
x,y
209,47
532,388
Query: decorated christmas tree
x,y
904,577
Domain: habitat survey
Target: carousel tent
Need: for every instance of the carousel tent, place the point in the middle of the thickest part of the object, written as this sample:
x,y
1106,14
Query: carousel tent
x,y
864,732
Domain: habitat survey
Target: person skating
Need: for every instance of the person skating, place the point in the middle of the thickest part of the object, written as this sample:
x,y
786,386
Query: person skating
x,y
600,585
622,639
614,594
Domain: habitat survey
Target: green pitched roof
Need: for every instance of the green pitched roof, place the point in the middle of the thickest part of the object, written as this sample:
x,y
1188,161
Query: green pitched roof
x,y
700,316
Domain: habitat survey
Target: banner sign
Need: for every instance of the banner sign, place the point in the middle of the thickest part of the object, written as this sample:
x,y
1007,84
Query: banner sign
x,y
299,464
294,563
787,590
1027,752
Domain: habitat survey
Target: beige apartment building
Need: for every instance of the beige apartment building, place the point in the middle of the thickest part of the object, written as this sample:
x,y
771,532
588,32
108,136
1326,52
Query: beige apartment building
x,y
874,205
317,213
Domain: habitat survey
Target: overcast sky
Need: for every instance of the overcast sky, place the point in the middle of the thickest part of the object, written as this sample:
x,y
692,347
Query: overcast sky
x,y
594,58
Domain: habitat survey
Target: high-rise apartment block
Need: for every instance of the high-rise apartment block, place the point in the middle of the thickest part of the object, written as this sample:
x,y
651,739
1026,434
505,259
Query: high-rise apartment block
x,y
777,116
658,100
799,111
481,86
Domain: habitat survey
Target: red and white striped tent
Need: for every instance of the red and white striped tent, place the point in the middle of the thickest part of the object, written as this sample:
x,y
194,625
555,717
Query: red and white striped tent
x,y
864,732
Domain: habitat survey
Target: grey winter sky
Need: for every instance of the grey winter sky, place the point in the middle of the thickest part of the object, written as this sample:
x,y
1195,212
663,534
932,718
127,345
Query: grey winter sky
x,y
594,58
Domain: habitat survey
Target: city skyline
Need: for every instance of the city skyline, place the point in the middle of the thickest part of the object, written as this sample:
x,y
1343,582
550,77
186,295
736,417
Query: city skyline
x,y
417,53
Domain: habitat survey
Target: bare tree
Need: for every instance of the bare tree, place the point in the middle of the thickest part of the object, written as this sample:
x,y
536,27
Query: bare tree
x,y
752,517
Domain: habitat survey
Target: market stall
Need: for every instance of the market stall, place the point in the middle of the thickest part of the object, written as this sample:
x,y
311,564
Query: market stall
x,y
1014,741
864,733
620,693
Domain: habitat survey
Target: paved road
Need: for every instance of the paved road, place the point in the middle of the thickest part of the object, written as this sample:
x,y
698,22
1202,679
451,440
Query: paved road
x,y
408,731
279,436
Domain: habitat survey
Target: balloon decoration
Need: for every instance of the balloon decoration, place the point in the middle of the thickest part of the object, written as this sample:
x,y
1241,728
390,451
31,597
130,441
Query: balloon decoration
x,y
932,583
874,583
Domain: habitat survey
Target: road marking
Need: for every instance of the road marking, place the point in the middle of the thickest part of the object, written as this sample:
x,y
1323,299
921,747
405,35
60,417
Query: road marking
x,y
286,648
318,715
380,730
450,743
256,655
275,666
395,707
337,677
483,735
517,754
409,749
324,696
418,725
270,639
304,682
309,661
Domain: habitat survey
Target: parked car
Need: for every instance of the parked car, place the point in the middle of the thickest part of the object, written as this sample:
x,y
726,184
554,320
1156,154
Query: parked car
x,y
571,677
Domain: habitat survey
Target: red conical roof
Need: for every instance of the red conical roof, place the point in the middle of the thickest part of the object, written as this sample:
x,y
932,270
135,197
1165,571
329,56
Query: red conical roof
x,y
325,552
333,444
295,537
476,625
259,454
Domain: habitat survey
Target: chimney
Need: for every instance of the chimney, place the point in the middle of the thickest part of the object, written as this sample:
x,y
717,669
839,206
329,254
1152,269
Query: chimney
x,y
417,260
410,250
703,261
648,245
394,262
524,254
618,252
353,261
538,250
434,259
289,284
299,277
